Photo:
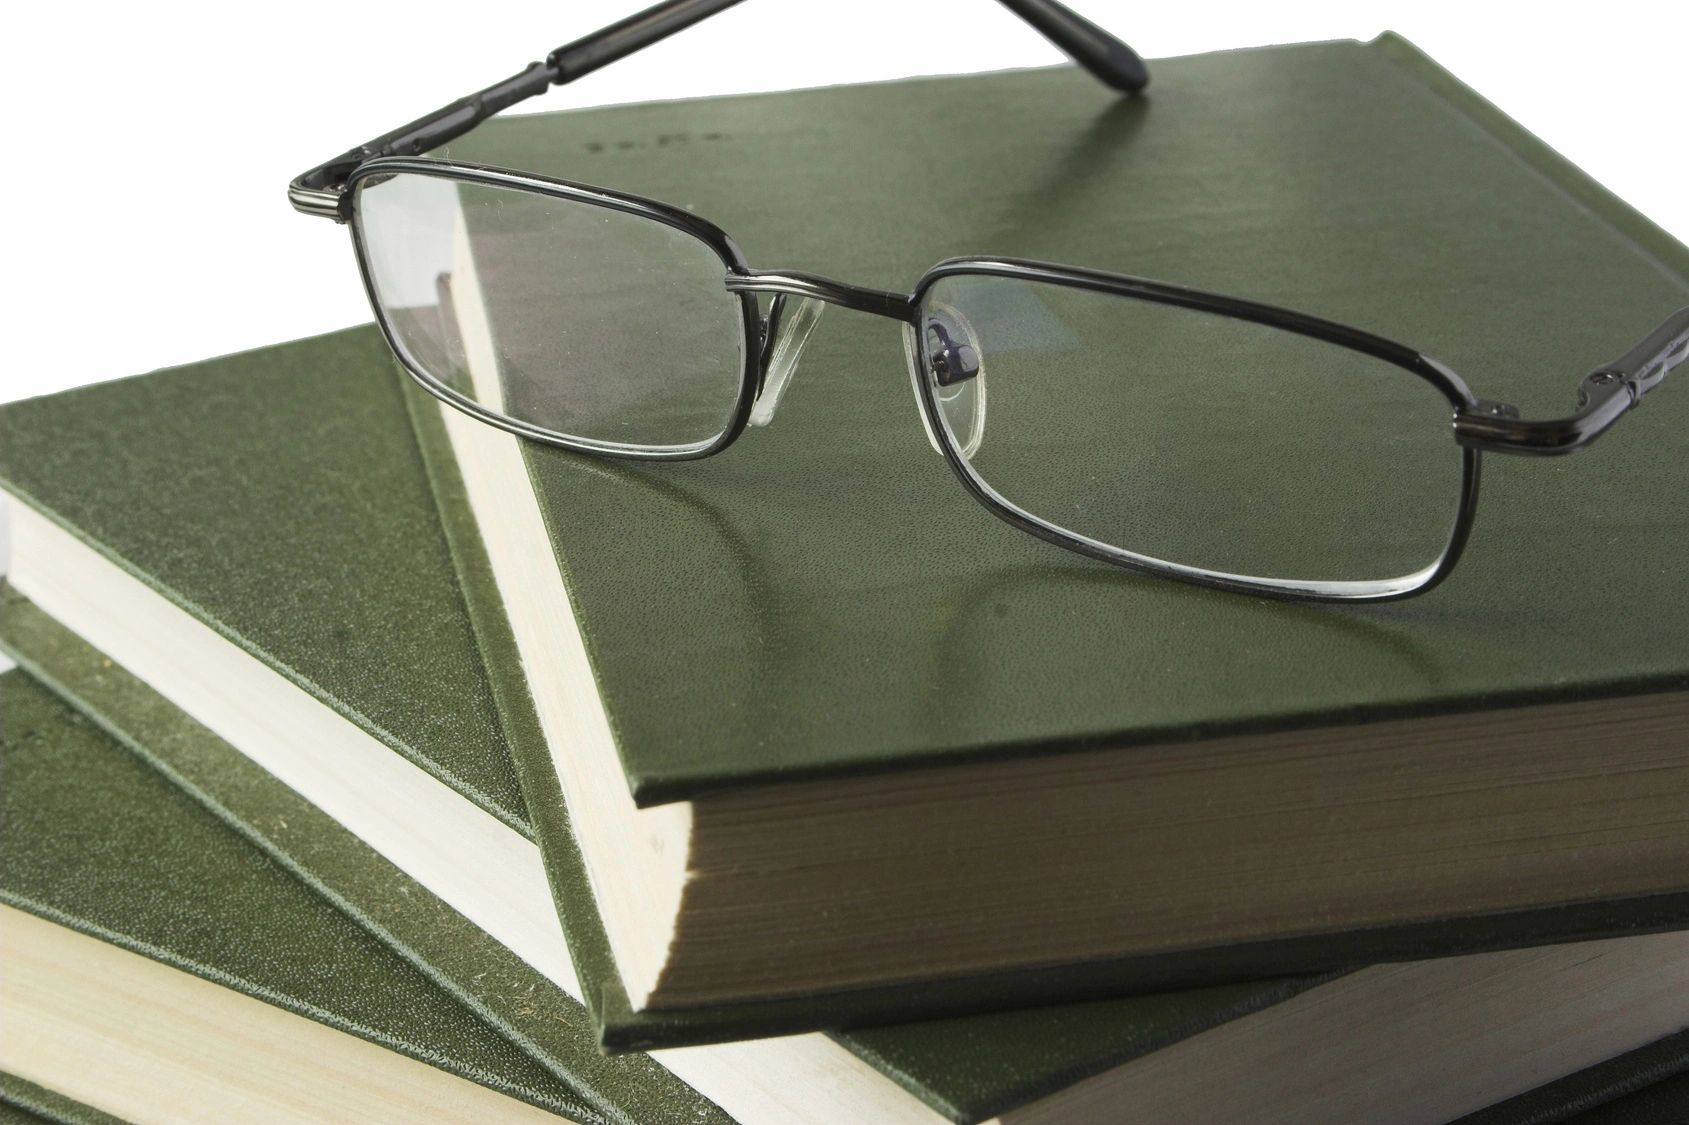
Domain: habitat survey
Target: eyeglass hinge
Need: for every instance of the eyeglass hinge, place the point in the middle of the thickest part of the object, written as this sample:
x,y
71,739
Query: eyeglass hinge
x,y
323,203
1496,427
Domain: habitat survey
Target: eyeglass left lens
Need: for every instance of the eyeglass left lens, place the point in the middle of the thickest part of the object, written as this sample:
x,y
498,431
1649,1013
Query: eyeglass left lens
x,y
585,321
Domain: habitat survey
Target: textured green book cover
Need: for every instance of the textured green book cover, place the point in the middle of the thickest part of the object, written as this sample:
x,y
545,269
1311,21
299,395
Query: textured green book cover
x,y
24,1103
727,603
765,571
93,839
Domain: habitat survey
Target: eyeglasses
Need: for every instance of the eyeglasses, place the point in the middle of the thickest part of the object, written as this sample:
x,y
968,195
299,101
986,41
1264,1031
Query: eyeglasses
x,y
1201,437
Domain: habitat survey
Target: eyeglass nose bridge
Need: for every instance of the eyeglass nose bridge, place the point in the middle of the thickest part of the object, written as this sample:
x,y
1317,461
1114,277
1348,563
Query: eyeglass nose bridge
x,y
860,298
788,325
956,364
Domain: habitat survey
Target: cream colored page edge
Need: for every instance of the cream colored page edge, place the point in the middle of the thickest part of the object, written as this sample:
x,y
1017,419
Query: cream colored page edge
x,y
318,753
149,1043
636,859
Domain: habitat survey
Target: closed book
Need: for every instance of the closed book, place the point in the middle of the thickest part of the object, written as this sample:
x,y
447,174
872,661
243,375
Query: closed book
x,y
832,742
190,556
159,966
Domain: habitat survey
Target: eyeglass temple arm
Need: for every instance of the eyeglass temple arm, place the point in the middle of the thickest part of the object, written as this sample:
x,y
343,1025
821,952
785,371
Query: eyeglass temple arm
x,y
1111,61
319,191
1604,395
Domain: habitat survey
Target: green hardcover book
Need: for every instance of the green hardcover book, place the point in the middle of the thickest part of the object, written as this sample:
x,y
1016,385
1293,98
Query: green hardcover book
x,y
159,966
834,743
268,513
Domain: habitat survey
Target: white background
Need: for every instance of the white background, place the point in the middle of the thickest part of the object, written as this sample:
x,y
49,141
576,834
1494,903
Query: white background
x,y
150,144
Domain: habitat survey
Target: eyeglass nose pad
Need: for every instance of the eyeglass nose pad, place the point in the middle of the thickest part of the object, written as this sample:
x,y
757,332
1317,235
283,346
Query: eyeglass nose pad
x,y
785,332
955,365
912,352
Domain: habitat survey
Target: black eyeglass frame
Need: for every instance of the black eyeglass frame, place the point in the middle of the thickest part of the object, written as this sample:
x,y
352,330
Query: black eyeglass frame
x,y
331,190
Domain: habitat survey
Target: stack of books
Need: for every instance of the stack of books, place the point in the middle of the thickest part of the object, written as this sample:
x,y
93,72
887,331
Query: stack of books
x,y
364,763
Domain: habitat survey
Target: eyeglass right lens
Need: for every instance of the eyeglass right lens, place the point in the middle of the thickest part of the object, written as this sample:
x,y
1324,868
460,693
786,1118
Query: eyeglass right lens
x,y
1191,438
589,322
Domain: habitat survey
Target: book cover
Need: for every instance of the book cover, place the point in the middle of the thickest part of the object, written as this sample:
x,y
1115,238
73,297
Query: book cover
x,y
1355,181
773,616
25,1103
